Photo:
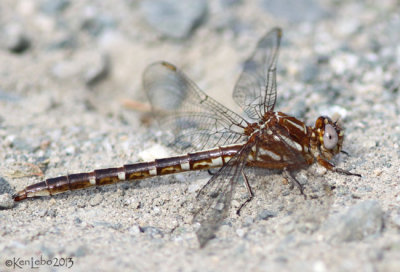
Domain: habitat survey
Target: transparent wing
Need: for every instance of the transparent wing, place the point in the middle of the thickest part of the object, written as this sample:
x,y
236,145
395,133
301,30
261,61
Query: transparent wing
x,y
255,90
214,199
195,120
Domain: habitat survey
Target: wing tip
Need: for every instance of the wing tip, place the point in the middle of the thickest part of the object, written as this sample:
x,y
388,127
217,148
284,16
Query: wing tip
x,y
168,65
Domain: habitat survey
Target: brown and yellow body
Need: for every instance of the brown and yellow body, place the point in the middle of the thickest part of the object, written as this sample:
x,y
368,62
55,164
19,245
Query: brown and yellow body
x,y
282,142
285,142
272,140
207,159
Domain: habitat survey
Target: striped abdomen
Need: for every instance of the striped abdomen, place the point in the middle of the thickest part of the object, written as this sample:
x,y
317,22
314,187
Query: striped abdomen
x,y
216,157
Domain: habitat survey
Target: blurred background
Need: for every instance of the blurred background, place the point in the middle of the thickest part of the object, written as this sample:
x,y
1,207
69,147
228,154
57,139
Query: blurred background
x,y
98,49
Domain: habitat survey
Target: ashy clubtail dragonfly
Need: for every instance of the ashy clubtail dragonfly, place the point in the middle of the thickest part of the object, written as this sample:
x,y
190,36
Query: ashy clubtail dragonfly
x,y
272,140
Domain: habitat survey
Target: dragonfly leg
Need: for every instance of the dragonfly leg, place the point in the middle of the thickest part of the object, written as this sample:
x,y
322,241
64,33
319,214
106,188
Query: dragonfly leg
x,y
251,194
211,173
294,181
333,168
345,172
344,152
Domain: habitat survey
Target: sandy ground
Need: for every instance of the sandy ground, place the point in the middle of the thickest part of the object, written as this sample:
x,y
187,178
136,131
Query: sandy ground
x,y
62,97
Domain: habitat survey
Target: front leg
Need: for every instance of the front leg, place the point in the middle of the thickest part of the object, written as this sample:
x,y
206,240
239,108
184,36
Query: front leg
x,y
332,167
287,174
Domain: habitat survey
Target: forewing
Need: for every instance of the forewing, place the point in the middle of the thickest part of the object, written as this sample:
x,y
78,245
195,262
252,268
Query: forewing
x,y
214,199
255,90
194,120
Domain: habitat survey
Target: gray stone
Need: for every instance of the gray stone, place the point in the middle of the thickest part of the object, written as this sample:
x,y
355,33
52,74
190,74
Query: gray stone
x,y
76,250
360,221
174,18
135,230
294,11
153,232
98,71
266,214
51,212
53,7
80,251
6,202
96,23
14,39
63,41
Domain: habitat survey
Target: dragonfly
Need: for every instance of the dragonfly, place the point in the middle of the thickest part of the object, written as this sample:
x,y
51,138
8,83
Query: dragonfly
x,y
212,136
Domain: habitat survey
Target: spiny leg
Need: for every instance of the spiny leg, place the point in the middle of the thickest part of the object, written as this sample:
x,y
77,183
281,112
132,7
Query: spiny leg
x,y
293,181
344,152
332,167
345,172
250,192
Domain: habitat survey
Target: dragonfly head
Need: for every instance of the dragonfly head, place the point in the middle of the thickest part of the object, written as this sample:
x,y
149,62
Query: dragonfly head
x,y
329,136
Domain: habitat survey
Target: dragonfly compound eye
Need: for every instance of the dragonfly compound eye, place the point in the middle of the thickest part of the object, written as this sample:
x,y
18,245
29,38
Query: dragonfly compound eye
x,y
330,137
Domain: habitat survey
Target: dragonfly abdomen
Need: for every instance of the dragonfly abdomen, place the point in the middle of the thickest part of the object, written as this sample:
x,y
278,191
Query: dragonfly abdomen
x,y
207,159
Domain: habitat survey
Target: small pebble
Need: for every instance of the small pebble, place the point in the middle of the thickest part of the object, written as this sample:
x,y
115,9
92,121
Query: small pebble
x,y
153,232
51,212
54,7
6,201
15,40
96,23
135,230
76,250
266,214
96,200
154,152
98,71
80,251
241,232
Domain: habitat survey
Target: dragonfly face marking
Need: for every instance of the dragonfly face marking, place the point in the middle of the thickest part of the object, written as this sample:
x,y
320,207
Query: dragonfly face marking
x,y
211,135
